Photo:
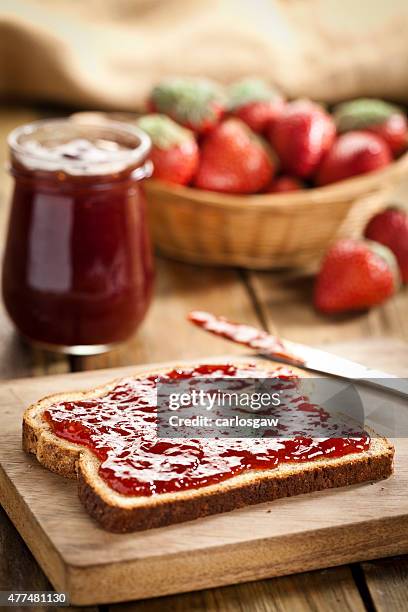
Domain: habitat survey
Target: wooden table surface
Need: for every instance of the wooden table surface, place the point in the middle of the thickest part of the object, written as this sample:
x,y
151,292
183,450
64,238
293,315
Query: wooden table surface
x,y
276,301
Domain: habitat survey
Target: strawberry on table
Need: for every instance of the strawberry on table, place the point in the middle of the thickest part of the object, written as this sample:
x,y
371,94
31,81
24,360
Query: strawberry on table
x,y
302,134
285,184
195,103
390,228
234,160
174,152
352,154
377,116
355,275
255,102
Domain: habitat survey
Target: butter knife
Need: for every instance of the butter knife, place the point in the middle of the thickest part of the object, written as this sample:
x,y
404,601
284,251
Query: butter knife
x,y
299,355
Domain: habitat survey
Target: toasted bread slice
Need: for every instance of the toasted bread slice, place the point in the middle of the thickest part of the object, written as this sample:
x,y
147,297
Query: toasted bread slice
x,y
123,513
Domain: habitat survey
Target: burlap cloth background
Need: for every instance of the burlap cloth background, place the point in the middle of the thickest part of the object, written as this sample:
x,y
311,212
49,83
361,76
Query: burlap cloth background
x,y
107,53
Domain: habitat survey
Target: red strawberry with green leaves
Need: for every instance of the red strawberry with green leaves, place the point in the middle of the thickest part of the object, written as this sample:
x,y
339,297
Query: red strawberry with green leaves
x,y
234,160
355,275
390,228
285,184
174,152
301,136
195,103
352,154
255,102
376,116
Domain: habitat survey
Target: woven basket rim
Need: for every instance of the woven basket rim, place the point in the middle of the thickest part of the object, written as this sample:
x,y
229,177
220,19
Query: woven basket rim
x,y
348,189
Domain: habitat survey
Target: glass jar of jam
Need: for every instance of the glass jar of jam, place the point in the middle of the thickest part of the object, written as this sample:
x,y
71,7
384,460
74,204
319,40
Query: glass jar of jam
x,y
78,270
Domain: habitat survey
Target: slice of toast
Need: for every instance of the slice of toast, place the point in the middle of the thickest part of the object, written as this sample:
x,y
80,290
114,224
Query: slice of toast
x,y
123,513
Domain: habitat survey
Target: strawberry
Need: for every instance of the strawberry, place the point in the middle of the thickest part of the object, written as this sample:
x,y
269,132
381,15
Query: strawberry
x,y
390,228
376,116
353,153
301,136
285,184
195,103
234,160
256,103
355,275
174,150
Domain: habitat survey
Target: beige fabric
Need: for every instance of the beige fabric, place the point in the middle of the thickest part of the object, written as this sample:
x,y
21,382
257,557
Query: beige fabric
x,y
107,53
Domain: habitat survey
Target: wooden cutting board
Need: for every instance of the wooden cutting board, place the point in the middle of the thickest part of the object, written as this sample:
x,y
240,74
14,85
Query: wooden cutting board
x,y
286,536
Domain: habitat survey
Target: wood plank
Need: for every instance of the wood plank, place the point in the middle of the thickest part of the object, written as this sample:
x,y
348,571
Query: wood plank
x,y
286,536
385,354
387,583
19,571
331,589
284,301
165,334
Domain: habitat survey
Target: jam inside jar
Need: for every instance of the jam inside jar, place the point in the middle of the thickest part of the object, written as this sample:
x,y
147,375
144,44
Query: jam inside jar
x,y
78,268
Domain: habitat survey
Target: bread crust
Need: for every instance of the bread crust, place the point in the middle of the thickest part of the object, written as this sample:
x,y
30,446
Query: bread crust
x,y
121,514
316,478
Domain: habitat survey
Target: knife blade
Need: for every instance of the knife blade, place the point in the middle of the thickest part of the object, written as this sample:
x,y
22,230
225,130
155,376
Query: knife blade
x,y
299,355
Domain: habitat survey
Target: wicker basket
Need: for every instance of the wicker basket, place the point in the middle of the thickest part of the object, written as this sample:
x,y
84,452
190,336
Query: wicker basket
x,y
264,231
259,231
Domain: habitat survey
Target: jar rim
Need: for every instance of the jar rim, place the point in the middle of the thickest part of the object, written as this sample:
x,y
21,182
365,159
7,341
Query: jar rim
x,y
127,157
